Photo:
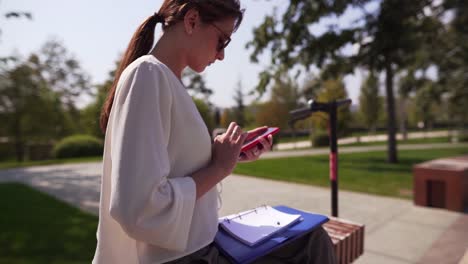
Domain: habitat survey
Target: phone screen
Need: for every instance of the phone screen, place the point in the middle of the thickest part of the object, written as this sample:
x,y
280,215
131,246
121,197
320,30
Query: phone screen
x,y
250,143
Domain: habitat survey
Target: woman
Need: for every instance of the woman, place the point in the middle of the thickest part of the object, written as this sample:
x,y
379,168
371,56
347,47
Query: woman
x,y
158,197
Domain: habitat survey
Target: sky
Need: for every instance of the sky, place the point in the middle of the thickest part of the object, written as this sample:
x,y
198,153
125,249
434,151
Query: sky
x,y
97,32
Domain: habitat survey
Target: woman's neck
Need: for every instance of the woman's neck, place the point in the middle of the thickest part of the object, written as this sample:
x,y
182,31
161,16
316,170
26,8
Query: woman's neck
x,y
167,51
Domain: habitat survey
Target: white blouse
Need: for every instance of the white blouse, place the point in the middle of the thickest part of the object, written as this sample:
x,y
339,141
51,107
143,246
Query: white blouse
x,y
155,139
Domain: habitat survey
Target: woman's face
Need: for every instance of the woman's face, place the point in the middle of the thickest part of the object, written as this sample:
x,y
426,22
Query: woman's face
x,y
209,43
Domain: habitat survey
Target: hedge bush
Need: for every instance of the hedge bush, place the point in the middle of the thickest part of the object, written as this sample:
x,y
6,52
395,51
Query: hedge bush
x,y
463,137
7,151
320,139
78,146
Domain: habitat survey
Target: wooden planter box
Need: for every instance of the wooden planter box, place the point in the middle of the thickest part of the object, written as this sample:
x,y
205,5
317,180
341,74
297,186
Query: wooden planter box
x,y
442,183
347,238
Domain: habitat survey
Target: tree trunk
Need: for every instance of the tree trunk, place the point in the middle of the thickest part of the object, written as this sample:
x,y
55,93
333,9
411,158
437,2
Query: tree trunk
x,y
391,120
403,118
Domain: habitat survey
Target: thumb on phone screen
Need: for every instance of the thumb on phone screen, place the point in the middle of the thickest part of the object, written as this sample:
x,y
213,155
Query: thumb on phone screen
x,y
255,132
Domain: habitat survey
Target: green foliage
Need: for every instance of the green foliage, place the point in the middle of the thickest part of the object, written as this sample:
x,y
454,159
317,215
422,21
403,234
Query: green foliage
x,y
320,138
227,117
453,71
271,114
370,104
424,103
6,151
30,110
78,146
463,137
284,98
205,112
332,89
196,83
90,115
386,34
239,109
62,73
38,96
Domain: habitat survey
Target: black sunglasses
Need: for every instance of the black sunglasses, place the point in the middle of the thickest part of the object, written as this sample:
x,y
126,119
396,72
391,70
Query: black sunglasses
x,y
222,42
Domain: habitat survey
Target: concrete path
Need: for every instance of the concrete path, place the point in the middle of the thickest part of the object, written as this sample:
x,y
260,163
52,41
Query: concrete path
x,y
396,230
77,184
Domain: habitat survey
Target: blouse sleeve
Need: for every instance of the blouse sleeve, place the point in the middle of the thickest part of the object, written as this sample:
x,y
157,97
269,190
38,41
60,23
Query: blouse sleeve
x,y
149,206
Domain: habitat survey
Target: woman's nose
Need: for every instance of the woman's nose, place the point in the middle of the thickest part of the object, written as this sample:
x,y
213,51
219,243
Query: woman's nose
x,y
220,55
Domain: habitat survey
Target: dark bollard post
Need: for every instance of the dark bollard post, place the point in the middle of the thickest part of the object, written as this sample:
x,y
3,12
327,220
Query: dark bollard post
x,y
333,159
331,109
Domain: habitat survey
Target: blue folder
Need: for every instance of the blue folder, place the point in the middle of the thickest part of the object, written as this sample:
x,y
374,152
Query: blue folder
x,y
241,253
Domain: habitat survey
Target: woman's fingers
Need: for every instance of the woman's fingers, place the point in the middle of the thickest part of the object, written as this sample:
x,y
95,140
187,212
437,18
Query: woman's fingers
x,y
240,140
257,131
265,143
230,129
236,133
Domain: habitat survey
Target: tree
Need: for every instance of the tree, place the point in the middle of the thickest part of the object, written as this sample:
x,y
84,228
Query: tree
x,y
425,99
65,77
205,111
452,57
62,72
332,89
217,117
196,83
239,109
91,113
370,102
386,39
226,118
28,107
284,98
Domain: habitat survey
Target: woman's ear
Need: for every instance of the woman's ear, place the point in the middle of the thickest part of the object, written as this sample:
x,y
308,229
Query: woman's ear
x,y
191,20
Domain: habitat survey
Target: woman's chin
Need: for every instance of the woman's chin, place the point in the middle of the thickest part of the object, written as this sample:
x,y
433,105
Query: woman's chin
x,y
198,68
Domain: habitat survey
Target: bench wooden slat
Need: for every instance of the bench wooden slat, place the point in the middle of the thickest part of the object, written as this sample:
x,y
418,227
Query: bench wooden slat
x,y
347,238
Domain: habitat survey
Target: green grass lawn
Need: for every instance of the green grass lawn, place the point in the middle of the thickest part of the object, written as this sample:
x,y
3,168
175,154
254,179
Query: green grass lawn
x,y
403,142
383,132
360,172
36,228
14,164
383,143
376,143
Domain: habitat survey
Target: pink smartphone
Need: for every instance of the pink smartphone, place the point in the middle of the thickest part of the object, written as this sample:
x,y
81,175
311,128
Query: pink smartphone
x,y
252,142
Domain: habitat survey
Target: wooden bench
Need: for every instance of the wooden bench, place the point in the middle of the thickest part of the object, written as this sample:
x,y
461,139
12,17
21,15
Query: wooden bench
x,y
347,238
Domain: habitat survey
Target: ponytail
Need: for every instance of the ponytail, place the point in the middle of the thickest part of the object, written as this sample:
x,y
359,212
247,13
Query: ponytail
x,y
140,44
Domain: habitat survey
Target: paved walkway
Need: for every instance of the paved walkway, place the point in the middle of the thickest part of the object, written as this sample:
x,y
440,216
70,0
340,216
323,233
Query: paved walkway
x,y
396,230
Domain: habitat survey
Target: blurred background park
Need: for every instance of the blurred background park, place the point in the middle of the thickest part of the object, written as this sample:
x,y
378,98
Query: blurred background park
x,y
403,63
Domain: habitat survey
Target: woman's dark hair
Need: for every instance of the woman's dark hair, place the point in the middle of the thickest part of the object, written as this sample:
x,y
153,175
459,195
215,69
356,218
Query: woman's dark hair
x,y
171,12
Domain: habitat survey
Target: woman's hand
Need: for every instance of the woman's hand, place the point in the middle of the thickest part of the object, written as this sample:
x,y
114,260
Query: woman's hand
x,y
226,148
264,145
